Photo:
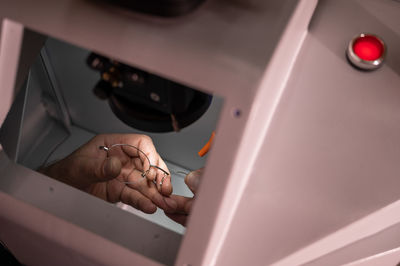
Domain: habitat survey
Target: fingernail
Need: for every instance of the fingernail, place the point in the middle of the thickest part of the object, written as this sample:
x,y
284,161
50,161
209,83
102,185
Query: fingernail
x,y
166,189
149,208
171,203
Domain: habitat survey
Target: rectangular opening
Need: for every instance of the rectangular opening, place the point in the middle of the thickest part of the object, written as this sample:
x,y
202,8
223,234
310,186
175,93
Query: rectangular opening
x,y
66,101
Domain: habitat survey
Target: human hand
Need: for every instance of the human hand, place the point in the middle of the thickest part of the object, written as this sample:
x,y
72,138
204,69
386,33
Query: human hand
x,y
182,211
105,176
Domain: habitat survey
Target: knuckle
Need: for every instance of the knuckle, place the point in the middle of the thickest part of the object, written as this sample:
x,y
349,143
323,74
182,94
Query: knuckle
x,y
135,202
154,196
145,138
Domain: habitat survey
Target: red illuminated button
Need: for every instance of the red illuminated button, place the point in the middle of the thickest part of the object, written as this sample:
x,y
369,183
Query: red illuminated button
x,y
366,51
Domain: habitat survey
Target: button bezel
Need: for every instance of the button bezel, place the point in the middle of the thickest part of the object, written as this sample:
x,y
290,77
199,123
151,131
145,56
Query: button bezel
x,y
361,63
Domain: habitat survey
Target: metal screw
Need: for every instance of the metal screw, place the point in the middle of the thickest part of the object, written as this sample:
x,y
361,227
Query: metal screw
x,y
135,77
237,112
155,97
96,63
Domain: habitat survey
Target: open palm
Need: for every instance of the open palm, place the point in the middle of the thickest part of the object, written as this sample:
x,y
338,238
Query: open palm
x,y
118,175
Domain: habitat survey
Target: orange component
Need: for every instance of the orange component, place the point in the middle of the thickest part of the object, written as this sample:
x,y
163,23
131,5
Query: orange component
x,y
206,147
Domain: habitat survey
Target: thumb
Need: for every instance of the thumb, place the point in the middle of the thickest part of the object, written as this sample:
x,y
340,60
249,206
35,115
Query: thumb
x,y
192,180
82,171
92,170
110,169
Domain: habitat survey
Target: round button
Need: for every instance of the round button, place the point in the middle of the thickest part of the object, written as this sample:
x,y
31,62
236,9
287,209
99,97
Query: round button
x,y
366,51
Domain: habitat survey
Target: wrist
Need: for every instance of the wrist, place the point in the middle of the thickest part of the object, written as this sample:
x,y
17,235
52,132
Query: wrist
x,y
58,170
49,169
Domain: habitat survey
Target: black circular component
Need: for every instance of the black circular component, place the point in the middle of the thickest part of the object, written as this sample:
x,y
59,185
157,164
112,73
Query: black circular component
x,y
146,101
148,119
162,8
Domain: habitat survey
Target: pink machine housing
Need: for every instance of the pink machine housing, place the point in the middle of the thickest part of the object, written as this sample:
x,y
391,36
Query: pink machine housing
x,y
304,169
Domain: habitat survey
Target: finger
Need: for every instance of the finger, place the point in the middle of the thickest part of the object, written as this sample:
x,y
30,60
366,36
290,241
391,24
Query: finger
x,y
146,145
116,151
166,187
179,218
160,176
140,160
182,211
149,151
149,190
137,200
143,148
137,164
192,180
132,176
184,204
111,168
163,178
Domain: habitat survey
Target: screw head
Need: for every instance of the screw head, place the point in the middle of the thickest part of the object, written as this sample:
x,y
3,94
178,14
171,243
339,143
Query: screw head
x,y
236,112
155,97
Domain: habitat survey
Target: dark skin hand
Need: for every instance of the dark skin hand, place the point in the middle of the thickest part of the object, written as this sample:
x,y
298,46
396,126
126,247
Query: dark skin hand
x,y
180,215
102,174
